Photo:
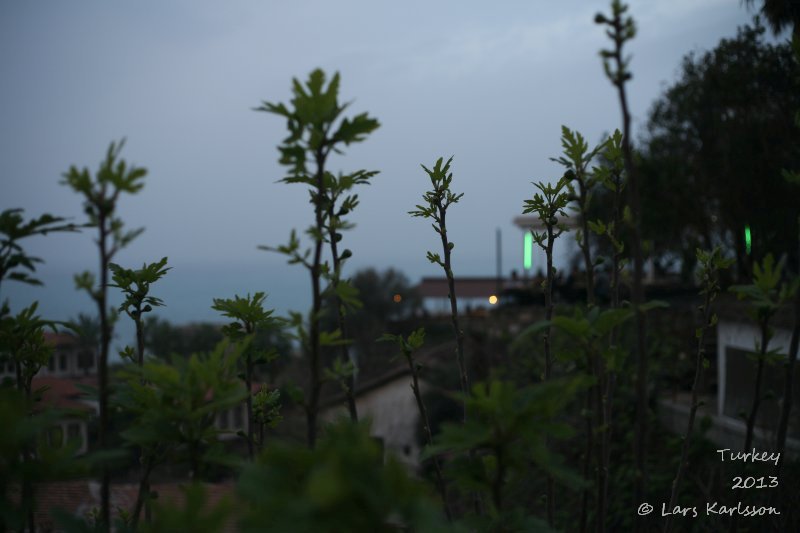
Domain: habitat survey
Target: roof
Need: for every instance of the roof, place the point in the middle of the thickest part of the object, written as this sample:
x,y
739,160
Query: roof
x,y
59,339
80,497
64,393
466,287
397,369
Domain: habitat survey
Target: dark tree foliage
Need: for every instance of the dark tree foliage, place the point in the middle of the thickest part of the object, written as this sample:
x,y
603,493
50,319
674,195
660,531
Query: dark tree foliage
x,y
378,292
164,339
780,14
712,157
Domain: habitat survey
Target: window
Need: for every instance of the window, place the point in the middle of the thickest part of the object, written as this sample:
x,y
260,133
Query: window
x,y
51,364
62,362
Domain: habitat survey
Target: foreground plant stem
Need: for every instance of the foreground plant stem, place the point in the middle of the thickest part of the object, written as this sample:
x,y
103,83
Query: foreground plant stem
x,y
548,204
438,200
314,111
100,197
711,264
337,269
607,403
622,29
408,347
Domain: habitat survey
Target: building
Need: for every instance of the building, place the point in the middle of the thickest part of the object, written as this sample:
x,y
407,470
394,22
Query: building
x,y
728,393
70,359
472,292
60,384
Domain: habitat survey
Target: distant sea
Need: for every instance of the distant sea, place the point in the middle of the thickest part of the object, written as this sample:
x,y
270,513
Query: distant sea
x,y
188,293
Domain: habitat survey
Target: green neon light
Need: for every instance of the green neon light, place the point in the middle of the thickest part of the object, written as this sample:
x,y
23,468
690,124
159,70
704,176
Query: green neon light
x,y
527,254
748,241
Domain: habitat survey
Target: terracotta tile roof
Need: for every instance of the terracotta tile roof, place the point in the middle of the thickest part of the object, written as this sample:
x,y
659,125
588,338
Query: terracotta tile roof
x,y
59,339
78,498
465,287
63,393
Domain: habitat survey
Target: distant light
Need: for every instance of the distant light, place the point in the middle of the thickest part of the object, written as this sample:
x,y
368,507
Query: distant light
x,y
492,299
748,241
397,298
527,253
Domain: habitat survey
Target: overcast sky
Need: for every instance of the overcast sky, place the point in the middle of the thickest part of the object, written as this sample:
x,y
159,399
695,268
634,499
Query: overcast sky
x,y
488,82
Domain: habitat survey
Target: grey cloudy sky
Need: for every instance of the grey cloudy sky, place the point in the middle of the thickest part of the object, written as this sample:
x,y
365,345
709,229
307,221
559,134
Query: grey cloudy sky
x,y
488,82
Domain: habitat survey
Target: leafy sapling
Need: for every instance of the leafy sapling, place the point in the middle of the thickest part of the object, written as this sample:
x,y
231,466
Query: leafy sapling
x,y
15,264
610,175
249,317
22,340
339,202
766,295
621,29
436,202
135,285
316,129
548,204
173,406
266,410
493,451
100,194
711,263
580,181
409,345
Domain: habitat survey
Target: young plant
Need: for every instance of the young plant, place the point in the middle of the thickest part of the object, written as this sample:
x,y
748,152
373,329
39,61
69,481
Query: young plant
x,y
174,406
22,341
591,332
316,129
408,346
249,316
609,175
27,457
15,264
344,484
576,159
437,201
266,410
766,296
621,29
711,263
493,451
548,205
135,285
100,194
339,202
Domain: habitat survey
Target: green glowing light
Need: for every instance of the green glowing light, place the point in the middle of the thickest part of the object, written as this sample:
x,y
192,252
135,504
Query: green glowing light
x,y
748,241
527,254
